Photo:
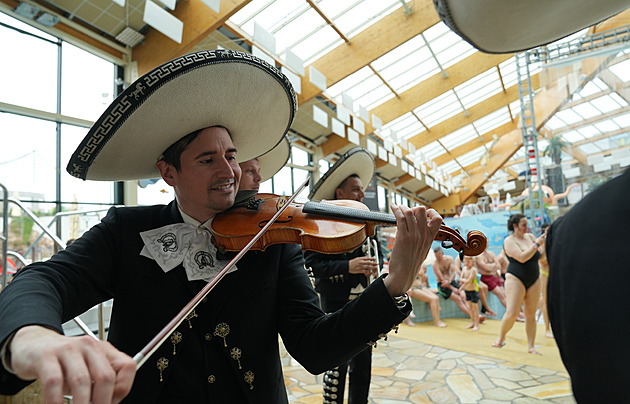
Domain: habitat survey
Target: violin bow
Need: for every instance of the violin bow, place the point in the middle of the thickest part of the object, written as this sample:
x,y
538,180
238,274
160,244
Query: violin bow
x,y
168,329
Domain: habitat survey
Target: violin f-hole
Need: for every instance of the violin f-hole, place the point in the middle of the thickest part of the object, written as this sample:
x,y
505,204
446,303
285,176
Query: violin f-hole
x,y
262,223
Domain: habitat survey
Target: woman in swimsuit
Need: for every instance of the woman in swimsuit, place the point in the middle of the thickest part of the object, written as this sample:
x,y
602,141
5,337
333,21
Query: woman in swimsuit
x,y
522,283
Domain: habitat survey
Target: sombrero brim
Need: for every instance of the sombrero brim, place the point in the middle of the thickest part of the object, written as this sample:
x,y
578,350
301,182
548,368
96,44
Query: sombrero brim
x,y
508,26
272,161
226,88
355,161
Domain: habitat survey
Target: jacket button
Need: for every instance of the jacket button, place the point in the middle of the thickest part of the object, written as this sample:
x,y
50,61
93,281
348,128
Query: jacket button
x,y
208,336
212,379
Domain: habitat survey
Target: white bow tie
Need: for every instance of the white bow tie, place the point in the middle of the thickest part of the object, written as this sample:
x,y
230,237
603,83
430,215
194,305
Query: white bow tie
x,y
175,243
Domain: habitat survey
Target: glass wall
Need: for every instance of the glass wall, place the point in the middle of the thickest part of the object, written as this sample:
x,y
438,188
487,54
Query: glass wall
x,y
45,83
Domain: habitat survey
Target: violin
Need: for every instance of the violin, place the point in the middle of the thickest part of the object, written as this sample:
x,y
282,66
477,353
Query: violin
x,y
330,227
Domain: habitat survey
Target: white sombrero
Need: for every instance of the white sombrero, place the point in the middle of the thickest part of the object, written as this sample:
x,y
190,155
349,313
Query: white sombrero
x,y
507,26
233,89
355,161
276,158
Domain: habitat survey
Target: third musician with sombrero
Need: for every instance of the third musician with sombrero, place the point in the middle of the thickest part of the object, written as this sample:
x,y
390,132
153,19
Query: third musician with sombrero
x,y
340,278
191,121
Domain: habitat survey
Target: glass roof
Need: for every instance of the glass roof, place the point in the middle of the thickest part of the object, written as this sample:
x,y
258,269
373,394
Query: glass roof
x,y
596,115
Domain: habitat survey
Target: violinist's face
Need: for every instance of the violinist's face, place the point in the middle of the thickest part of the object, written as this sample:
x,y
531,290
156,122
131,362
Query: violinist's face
x,y
351,189
208,178
250,179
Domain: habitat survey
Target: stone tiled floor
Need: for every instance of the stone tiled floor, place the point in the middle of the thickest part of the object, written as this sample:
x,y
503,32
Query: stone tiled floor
x,y
408,371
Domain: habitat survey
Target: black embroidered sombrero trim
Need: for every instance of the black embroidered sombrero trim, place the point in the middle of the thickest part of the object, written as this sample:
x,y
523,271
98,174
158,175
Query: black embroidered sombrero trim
x,y
136,94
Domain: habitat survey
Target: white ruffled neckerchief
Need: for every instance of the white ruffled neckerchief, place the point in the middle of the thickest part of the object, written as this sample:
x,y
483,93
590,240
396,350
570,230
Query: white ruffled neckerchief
x,y
188,243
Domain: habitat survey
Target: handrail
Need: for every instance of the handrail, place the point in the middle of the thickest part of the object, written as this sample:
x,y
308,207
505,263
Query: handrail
x,y
53,236
60,214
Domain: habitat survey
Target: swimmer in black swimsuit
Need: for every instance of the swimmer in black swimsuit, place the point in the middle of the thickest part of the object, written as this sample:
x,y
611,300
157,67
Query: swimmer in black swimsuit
x,y
522,285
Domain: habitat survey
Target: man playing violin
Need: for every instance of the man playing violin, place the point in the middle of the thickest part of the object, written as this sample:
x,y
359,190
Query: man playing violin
x,y
340,278
152,260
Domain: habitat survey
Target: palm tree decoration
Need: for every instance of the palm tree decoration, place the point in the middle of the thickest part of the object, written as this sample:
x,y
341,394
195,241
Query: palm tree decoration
x,y
554,149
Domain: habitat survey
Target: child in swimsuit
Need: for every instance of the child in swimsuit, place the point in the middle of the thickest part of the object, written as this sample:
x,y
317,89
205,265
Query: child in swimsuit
x,y
471,286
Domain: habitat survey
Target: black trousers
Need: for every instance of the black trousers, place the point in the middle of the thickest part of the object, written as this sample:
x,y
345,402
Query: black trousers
x,y
359,369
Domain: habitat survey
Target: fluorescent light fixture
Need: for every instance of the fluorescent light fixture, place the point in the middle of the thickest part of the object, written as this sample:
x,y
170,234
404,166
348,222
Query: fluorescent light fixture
x,y
26,10
47,19
163,21
129,37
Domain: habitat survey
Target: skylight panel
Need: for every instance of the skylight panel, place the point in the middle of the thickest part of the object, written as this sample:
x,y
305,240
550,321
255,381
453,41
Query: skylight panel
x,y
472,156
572,136
492,120
508,72
376,97
363,14
479,88
415,76
455,53
555,123
334,8
621,70
589,131
568,116
605,104
314,46
404,126
607,126
589,89
617,98
432,150
249,11
450,167
436,31
459,137
622,120
604,144
307,23
349,82
586,110
439,109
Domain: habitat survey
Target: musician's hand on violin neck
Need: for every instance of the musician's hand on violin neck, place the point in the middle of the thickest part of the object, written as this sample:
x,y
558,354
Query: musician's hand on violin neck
x,y
416,229
89,370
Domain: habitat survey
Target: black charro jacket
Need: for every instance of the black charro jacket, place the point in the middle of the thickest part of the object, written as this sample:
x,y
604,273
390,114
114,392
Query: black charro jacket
x,y
269,295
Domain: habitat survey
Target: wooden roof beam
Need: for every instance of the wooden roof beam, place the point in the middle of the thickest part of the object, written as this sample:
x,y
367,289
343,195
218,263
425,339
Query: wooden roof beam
x,y
199,22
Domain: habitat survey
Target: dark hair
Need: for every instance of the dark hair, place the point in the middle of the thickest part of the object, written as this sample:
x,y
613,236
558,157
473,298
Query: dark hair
x,y
437,249
544,226
344,182
514,220
174,152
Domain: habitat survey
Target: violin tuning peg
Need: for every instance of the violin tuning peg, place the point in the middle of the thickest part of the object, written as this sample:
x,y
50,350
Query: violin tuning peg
x,y
461,255
447,243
